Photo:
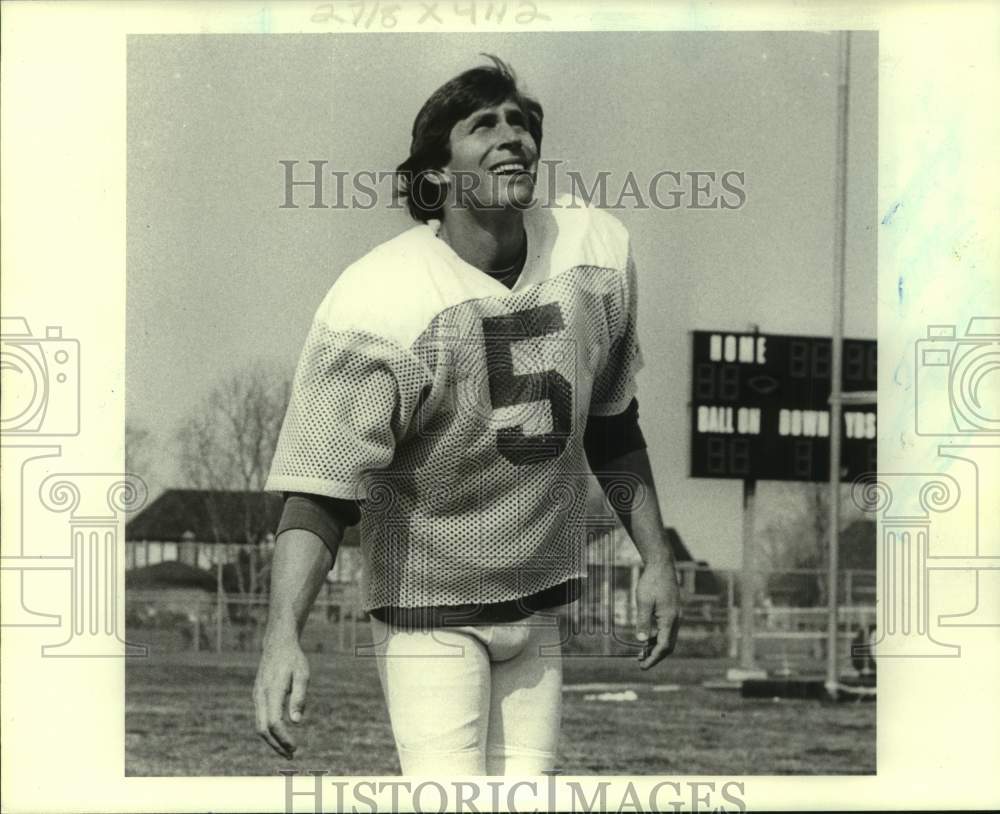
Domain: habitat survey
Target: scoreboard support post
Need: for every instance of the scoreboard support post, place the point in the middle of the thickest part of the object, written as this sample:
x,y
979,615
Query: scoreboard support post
x,y
748,580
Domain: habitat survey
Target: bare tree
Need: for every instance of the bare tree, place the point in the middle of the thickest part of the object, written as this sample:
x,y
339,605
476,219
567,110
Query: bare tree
x,y
138,441
226,445
229,440
799,539
140,445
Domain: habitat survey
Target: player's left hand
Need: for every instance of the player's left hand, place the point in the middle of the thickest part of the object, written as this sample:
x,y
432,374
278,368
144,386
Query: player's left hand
x,y
659,613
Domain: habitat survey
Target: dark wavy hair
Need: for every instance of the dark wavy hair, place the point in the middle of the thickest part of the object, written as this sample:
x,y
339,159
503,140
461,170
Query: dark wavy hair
x,y
457,99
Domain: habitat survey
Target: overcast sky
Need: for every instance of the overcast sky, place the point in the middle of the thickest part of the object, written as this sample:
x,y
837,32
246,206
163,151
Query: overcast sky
x,y
219,275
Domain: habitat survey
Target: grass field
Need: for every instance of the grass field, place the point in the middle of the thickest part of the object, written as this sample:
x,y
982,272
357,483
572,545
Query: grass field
x,y
191,714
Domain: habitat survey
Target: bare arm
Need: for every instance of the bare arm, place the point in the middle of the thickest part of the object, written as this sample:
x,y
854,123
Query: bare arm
x,y
301,563
657,593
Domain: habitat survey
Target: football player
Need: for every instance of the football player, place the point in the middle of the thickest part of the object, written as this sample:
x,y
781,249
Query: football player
x,y
457,388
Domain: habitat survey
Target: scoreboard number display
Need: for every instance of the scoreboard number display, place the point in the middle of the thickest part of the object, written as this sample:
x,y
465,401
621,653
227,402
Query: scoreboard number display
x,y
760,407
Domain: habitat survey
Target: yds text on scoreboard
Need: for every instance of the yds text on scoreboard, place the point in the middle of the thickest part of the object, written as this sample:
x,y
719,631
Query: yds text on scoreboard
x,y
760,407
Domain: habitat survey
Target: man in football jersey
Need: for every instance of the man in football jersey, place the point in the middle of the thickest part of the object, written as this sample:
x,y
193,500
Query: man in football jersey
x,y
457,388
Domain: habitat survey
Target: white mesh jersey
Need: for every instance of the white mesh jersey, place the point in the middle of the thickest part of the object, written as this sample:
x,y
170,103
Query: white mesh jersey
x,y
455,407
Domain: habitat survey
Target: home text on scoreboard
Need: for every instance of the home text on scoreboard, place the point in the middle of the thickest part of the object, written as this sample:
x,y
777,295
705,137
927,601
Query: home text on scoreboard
x,y
760,406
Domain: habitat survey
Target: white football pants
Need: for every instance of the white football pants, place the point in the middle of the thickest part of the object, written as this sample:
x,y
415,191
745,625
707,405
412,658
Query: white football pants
x,y
473,700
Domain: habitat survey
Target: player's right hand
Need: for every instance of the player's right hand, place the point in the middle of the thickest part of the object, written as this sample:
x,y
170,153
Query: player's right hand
x,y
283,672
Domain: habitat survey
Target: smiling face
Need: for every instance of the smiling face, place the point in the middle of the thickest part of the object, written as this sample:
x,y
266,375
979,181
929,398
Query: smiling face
x,y
494,159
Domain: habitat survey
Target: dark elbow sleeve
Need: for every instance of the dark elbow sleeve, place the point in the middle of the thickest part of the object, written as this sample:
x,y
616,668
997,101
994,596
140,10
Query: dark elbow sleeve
x,y
323,516
609,437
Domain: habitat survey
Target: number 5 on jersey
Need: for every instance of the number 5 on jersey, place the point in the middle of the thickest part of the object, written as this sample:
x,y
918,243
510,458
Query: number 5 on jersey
x,y
508,388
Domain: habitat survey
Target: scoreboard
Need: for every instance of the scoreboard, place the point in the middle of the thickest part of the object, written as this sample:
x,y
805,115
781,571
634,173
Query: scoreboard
x,y
760,407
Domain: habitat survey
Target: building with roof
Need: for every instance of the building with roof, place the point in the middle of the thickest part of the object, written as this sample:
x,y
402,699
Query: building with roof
x,y
207,528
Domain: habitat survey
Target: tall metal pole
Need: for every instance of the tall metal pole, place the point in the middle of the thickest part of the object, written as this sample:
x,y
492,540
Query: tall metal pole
x,y
749,581
836,375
